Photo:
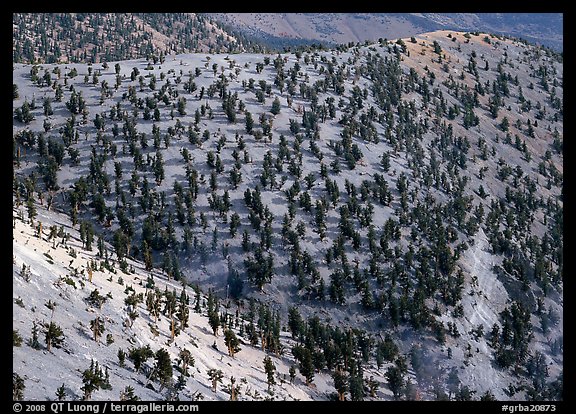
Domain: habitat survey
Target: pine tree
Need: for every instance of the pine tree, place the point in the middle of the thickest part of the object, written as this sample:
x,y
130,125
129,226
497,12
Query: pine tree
x,y
33,342
97,327
234,390
61,392
182,314
186,359
197,299
127,394
154,303
340,383
215,375
269,369
231,342
249,122
54,336
139,356
18,387
163,367
213,316
275,106
16,338
320,219
292,373
373,386
170,309
305,362
121,357
182,106
356,382
93,379
31,208
395,379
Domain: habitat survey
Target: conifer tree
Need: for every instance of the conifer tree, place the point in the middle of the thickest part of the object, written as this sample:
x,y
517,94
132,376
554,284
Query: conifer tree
x,y
231,342
275,106
54,336
305,362
269,369
215,376
127,394
163,367
18,387
340,383
61,392
97,327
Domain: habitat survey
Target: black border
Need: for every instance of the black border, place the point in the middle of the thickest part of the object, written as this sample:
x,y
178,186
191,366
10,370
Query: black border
x,y
335,7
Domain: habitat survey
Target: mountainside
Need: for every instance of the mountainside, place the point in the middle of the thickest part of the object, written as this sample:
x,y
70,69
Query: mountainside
x,y
335,28
51,284
99,37
386,218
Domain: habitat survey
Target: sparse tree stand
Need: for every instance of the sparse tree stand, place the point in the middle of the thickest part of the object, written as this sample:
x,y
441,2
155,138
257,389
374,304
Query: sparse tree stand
x,y
215,375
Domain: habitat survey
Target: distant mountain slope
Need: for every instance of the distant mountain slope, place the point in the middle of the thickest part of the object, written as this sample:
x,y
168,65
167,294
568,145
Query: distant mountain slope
x,y
96,37
542,28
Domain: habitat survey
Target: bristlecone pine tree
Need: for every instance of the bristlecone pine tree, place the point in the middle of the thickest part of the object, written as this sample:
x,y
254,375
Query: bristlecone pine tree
x,y
53,335
231,342
93,379
97,327
215,375
186,359
213,317
163,367
139,356
234,390
61,392
269,368
18,387
340,383
128,394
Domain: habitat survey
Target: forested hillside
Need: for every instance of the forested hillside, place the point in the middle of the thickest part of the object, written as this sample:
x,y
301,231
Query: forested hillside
x,y
100,37
386,218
